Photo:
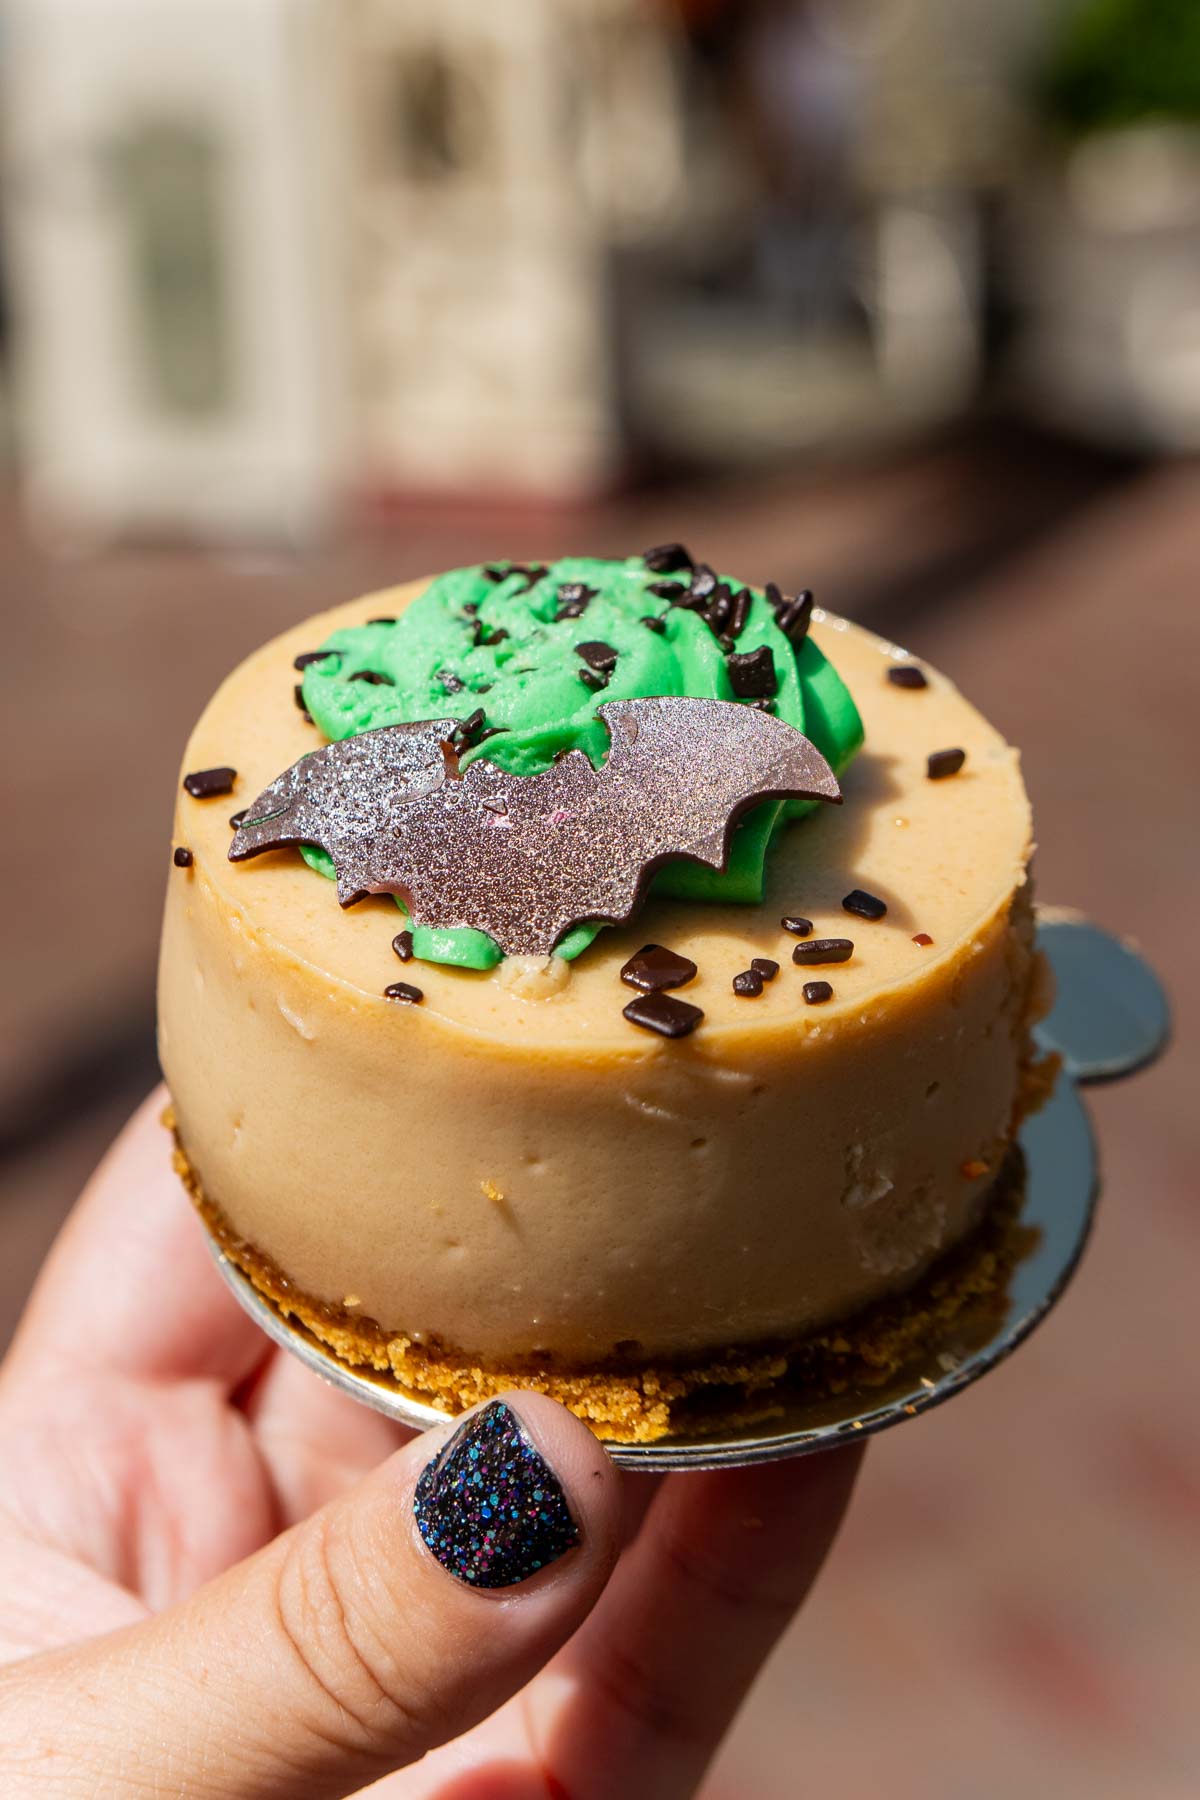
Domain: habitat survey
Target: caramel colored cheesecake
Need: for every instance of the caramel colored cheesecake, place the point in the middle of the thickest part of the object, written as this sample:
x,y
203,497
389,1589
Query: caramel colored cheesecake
x,y
500,1174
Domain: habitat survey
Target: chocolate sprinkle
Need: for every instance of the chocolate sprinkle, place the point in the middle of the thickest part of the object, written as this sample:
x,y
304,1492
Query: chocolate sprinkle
x,y
653,622
752,674
663,558
533,573
207,784
749,984
720,605
740,612
599,656
655,967
794,617
306,657
398,814
864,905
941,763
906,675
403,990
662,1013
591,678
764,966
704,580
235,819
574,598
451,683
388,619
183,858
923,938
823,950
402,944
467,730
667,590
817,992
493,572
796,925
373,676
484,638
298,697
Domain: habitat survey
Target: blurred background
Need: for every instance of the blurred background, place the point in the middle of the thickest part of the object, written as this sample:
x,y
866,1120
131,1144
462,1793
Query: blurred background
x,y
897,299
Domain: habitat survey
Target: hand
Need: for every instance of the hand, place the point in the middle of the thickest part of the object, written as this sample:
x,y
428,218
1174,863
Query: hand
x,y
213,1583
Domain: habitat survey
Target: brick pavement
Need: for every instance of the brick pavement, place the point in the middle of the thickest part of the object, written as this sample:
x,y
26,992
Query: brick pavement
x,y
1013,1610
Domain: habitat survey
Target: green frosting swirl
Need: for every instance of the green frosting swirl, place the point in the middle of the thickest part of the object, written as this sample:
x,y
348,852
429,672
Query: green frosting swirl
x,y
472,642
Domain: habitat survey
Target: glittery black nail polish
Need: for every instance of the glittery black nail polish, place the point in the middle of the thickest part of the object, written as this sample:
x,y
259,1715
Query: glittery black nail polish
x,y
489,1507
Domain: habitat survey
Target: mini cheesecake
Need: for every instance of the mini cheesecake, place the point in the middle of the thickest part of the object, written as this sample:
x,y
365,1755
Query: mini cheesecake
x,y
478,1176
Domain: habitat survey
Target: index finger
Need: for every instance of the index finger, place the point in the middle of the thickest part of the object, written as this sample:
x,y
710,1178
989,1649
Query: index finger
x,y
647,1688
129,1284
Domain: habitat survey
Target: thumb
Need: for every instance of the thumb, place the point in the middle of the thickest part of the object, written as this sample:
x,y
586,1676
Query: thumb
x,y
389,1622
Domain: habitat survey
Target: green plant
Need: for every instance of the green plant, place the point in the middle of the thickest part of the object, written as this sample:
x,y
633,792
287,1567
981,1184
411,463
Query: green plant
x,y
1122,62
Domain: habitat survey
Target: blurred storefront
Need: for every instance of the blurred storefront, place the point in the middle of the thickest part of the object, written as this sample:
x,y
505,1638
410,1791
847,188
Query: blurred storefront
x,y
271,260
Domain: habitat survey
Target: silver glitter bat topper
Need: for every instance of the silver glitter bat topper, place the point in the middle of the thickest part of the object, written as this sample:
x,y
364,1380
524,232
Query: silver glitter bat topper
x,y
525,857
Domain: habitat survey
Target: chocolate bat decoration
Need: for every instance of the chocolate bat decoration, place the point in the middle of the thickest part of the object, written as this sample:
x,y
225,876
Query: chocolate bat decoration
x,y
525,857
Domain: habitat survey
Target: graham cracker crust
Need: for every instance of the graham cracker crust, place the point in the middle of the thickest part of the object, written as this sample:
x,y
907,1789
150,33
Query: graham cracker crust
x,y
638,1405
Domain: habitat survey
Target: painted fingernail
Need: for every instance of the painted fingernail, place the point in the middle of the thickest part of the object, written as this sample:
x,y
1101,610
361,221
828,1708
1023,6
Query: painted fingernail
x,y
489,1507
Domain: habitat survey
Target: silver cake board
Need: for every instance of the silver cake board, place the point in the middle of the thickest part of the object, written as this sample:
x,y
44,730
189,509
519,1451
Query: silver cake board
x,y
1110,1017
